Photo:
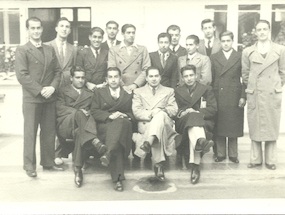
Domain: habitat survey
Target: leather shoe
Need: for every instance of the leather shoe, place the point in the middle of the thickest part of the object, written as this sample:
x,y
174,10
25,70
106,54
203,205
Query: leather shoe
x,y
234,159
105,159
203,145
253,165
58,161
145,146
270,166
99,146
195,174
159,172
31,173
119,186
78,179
53,168
219,159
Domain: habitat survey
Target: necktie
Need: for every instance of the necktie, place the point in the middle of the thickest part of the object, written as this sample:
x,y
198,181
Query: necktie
x,y
61,55
209,44
162,58
153,91
173,49
97,53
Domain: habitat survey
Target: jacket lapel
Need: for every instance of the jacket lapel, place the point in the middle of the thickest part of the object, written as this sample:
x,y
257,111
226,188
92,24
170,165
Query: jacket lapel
x,y
100,59
230,62
82,97
107,96
90,57
68,54
36,53
47,60
53,44
169,62
216,46
157,59
198,92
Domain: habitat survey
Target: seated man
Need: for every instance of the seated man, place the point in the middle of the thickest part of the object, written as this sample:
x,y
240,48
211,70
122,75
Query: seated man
x,y
154,107
195,118
74,120
112,110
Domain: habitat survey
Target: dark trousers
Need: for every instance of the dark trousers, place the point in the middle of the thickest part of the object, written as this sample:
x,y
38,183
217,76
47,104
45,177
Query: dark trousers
x,y
221,146
36,114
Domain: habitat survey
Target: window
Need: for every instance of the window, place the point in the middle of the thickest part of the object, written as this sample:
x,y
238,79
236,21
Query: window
x,y
9,26
278,24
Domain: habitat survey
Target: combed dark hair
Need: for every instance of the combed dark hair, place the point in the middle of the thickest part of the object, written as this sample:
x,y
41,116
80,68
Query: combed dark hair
x,y
207,21
112,69
194,37
188,67
35,19
94,29
226,33
126,26
62,19
76,69
161,35
112,22
174,28
263,21
150,68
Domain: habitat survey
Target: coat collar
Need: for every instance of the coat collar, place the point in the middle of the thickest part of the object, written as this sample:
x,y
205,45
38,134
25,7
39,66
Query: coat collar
x,y
78,98
36,53
168,62
227,64
128,59
106,95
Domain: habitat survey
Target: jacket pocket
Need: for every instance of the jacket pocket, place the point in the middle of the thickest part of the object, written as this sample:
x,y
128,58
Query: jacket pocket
x,y
250,98
277,98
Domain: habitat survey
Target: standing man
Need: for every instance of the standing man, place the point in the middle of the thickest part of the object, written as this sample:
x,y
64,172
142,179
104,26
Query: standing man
x,y
210,44
230,97
175,48
94,60
130,58
263,71
38,72
165,61
65,52
154,107
112,110
112,29
74,120
195,119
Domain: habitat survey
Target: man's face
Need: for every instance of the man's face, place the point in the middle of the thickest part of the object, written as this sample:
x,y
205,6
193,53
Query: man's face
x,y
191,47
129,35
227,43
96,39
189,77
208,30
163,44
175,36
262,31
113,79
153,78
35,30
78,80
63,29
112,31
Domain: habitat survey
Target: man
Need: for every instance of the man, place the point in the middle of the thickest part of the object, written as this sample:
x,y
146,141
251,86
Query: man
x,y
165,61
65,52
209,45
230,97
175,48
195,119
112,110
112,29
130,58
74,120
38,72
263,71
154,107
94,60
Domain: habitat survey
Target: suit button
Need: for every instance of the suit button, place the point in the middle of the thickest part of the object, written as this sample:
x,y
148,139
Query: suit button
x,y
120,62
138,62
222,88
136,72
144,123
124,72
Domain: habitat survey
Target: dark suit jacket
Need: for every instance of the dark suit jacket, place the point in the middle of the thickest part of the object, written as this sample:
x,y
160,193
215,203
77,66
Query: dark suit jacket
x,y
95,68
168,74
181,51
216,47
105,45
35,71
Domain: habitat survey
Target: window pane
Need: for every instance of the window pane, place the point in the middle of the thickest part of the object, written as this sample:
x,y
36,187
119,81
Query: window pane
x,y
84,15
68,13
249,7
1,28
278,24
14,27
217,7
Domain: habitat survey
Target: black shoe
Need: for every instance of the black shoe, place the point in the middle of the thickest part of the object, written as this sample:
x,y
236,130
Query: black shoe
x,y
78,179
270,166
195,174
99,146
219,159
234,159
253,165
52,168
119,186
31,173
146,147
105,159
203,145
159,172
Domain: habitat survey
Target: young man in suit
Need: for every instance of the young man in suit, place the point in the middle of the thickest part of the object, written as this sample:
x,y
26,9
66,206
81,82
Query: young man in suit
x,y
112,29
130,58
165,61
65,52
39,73
154,107
210,44
230,96
112,110
195,119
94,60
174,47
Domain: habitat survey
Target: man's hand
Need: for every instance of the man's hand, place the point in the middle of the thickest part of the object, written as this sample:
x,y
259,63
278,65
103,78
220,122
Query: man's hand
x,y
117,114
191,110
91,86
130,88
241,102
86,112
47,92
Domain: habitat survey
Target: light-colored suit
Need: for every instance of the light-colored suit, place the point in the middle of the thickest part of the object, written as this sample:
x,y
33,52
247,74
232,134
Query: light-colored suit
x,y
203,67
69,60
132,66
161,124
216,47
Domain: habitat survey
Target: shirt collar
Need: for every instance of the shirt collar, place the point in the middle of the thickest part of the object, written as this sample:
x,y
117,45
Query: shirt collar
x,y
37,45
191,56
166,54
124,45
109,42
176,47
59,41
153,87
211,41
78,90
94,51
